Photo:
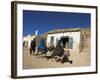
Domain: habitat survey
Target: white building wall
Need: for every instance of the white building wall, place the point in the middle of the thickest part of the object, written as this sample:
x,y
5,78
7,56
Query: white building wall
x,y
48,39
76,41
75,35
28,39
58,35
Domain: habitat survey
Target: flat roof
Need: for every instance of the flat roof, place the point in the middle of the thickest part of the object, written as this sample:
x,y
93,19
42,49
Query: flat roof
x,y
64,30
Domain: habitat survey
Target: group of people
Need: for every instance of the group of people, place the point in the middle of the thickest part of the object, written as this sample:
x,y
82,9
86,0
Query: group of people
x,y
40,48
57,52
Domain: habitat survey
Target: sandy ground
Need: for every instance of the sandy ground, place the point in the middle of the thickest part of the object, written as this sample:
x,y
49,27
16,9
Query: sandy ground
x,y
79,59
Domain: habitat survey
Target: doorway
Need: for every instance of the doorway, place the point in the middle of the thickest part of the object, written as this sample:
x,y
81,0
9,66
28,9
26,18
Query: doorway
x,y
67,42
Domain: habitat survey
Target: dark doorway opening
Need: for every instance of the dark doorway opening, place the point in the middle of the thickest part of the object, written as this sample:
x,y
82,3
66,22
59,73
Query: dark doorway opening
x,y
65,40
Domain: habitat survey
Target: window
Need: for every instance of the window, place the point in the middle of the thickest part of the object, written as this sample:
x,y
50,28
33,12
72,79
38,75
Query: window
x,y
57,40
70,44
52,41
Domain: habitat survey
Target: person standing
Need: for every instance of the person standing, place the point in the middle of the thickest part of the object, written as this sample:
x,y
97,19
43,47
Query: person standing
x,y
32,46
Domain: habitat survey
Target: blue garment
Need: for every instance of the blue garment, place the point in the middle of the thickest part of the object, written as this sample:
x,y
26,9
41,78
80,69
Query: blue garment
x,y
42,44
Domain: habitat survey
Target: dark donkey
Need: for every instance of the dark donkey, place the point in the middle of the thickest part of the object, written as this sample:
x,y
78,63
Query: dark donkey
x,y
58,51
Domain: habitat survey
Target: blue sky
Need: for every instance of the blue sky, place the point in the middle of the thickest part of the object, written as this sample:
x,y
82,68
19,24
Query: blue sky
x,y
45,21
